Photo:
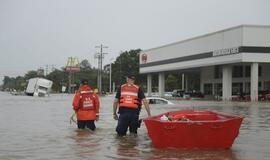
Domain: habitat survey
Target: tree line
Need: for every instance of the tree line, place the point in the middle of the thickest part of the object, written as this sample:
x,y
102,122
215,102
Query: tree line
x,y
126,62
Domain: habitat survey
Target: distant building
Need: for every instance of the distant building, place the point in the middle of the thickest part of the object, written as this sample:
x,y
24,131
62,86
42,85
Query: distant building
x,y
227,62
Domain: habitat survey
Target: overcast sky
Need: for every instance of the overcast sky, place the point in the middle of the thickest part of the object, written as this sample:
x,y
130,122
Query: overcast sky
x,y
36,33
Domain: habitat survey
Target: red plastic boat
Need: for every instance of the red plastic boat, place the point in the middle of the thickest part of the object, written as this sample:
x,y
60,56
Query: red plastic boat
x,y
193,129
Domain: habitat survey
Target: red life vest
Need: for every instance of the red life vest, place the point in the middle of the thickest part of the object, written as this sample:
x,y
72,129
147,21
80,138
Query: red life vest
x,y
129,96
87,100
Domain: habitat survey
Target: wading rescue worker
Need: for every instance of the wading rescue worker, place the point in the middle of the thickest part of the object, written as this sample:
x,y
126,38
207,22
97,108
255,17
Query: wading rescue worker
x,y
128,99
86,106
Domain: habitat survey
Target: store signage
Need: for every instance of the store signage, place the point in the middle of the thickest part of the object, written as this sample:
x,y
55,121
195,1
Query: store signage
x,y
144,58
227,51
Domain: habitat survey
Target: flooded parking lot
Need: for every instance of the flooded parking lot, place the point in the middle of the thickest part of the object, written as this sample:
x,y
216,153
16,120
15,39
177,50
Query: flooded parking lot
x,y
39,128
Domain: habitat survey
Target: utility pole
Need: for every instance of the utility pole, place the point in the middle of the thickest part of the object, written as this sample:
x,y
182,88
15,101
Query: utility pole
x,y
120,67
69,82
111,75
46,72
100,57
52,67
110,87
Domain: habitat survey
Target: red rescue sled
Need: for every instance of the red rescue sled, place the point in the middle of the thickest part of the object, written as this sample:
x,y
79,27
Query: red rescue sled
x,y
193,129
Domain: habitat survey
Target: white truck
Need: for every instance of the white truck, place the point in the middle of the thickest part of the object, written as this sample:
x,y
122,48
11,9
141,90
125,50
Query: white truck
x,y
38,87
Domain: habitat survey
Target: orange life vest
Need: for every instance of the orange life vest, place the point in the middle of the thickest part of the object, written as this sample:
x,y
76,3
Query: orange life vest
x,y
87,100
129,96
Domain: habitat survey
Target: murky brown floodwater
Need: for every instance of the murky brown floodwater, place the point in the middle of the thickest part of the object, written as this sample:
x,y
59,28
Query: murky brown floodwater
x,y
39,128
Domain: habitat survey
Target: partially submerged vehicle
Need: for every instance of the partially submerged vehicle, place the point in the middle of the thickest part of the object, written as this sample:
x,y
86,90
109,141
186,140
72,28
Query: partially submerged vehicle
x,y
193,95
178,93
263,95
187,94
193,129
158,100
38,87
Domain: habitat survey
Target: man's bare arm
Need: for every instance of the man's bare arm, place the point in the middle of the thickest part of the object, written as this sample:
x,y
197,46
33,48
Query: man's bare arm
x,y
115,107
146,105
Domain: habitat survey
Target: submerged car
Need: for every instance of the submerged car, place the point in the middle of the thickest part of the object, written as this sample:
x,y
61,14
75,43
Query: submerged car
x,y
178,93
194,95
158,100
263,95
187,95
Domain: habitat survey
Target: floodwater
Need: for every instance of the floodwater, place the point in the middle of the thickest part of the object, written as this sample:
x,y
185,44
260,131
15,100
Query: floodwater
x,y
39,128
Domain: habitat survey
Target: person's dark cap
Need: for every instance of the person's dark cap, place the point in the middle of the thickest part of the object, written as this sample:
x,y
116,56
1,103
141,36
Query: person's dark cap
x,y
131,76
84,81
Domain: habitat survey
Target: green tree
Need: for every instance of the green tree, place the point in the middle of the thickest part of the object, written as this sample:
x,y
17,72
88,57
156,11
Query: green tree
x,y
171,82
59,78
86,73
20,83
85,64
127,62
6,80
8,83
31,74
